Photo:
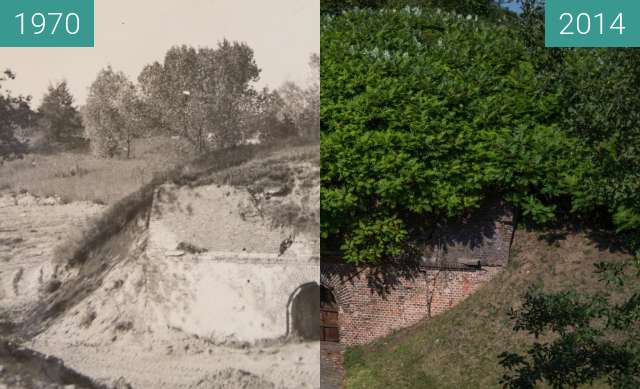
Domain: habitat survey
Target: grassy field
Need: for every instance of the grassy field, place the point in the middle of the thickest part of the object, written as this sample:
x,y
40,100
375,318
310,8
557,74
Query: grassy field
x,y
76,176
460,348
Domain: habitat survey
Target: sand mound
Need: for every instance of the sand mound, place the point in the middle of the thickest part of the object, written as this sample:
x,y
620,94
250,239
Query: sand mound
x,y
30,230
227,264
232,379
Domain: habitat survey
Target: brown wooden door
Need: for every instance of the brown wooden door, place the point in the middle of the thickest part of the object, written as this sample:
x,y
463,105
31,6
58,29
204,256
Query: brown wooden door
x,y
329,329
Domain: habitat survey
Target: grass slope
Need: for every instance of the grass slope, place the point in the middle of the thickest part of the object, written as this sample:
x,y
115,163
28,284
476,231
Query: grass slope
x,y
460,348
79,176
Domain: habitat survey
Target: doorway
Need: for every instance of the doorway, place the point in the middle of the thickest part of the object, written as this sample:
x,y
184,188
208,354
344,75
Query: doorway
x,y
329,328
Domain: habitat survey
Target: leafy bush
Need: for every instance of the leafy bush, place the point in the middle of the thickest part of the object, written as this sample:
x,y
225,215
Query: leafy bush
x,y
476,7
423,115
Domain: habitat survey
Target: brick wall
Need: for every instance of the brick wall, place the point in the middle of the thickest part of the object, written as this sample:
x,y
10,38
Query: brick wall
x,y
366,312
373,302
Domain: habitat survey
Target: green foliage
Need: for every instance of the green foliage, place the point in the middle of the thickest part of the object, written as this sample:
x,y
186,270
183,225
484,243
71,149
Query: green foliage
x,y
592,338
475,7
424,114
61,120
427,113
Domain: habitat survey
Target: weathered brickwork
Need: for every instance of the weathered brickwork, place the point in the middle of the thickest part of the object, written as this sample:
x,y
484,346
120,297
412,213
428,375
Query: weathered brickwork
x,y
374,302
484,236
366,314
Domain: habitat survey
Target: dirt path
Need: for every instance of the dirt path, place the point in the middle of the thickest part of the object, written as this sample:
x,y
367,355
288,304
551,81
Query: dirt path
x,y
331,365
30,230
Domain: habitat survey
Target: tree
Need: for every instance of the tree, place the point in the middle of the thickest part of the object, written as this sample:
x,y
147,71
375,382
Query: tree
x,y
311,115
198,93
268,117
302,106
14,113
583,338
424,120
111,113
476,7
580,338
60,118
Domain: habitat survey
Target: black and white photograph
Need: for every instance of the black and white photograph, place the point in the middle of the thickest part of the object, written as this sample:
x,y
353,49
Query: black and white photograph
x,y
160,200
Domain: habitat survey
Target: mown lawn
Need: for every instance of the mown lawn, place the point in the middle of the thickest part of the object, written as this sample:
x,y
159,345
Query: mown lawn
x,y
460,348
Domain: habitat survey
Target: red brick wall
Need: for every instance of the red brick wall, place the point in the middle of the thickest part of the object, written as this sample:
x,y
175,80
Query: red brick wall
x,y
368,312
373,303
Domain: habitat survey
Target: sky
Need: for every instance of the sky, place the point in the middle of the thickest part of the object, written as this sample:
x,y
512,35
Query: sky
x,y
132,33
512,6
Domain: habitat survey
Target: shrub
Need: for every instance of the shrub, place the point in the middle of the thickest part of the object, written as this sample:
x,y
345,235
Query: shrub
x,y
423,119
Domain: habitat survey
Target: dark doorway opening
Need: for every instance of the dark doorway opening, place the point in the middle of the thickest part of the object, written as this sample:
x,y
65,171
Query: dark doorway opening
x,y
329,328
304,311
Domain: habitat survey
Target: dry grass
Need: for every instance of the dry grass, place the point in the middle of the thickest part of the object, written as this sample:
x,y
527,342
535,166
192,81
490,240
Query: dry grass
x,y
276,177
460,348
82,177
117,216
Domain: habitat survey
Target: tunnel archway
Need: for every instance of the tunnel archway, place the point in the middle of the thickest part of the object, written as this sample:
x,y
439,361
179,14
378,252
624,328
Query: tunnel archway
x,y
329,324
304,312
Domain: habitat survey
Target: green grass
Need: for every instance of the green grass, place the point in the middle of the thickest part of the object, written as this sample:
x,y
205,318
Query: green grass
x,y
460,348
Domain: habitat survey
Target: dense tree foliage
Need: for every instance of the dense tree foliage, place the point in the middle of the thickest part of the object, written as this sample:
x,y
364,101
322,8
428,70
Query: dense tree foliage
x,y
199,93
302,105
110,113
422,119
475,7
59,117
580,339
587,338
14,113
426,113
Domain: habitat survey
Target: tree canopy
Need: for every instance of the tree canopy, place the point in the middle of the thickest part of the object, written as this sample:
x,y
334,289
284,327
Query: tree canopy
x,y
425,113
14,113
60,119
107,114
198,92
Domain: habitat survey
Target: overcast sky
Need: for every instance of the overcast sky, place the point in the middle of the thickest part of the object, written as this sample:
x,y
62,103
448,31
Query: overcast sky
x,y
132,33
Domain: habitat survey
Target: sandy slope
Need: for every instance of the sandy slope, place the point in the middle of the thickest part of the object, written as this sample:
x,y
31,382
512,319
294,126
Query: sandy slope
x,y
134,310
172,367
30,230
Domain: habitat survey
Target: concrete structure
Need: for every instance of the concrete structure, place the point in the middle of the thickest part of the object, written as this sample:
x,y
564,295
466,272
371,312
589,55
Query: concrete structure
x,y
247,280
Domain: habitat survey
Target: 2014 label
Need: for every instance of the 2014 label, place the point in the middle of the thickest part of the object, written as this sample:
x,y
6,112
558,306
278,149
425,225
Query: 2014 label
x,y
582,25
592,23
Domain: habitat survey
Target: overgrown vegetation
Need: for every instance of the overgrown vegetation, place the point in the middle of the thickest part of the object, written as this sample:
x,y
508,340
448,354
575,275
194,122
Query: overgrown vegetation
x,y
460,348
485,8
432,112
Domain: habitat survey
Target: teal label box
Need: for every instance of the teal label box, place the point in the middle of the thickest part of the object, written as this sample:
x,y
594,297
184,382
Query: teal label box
x,y
592,23
46,23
